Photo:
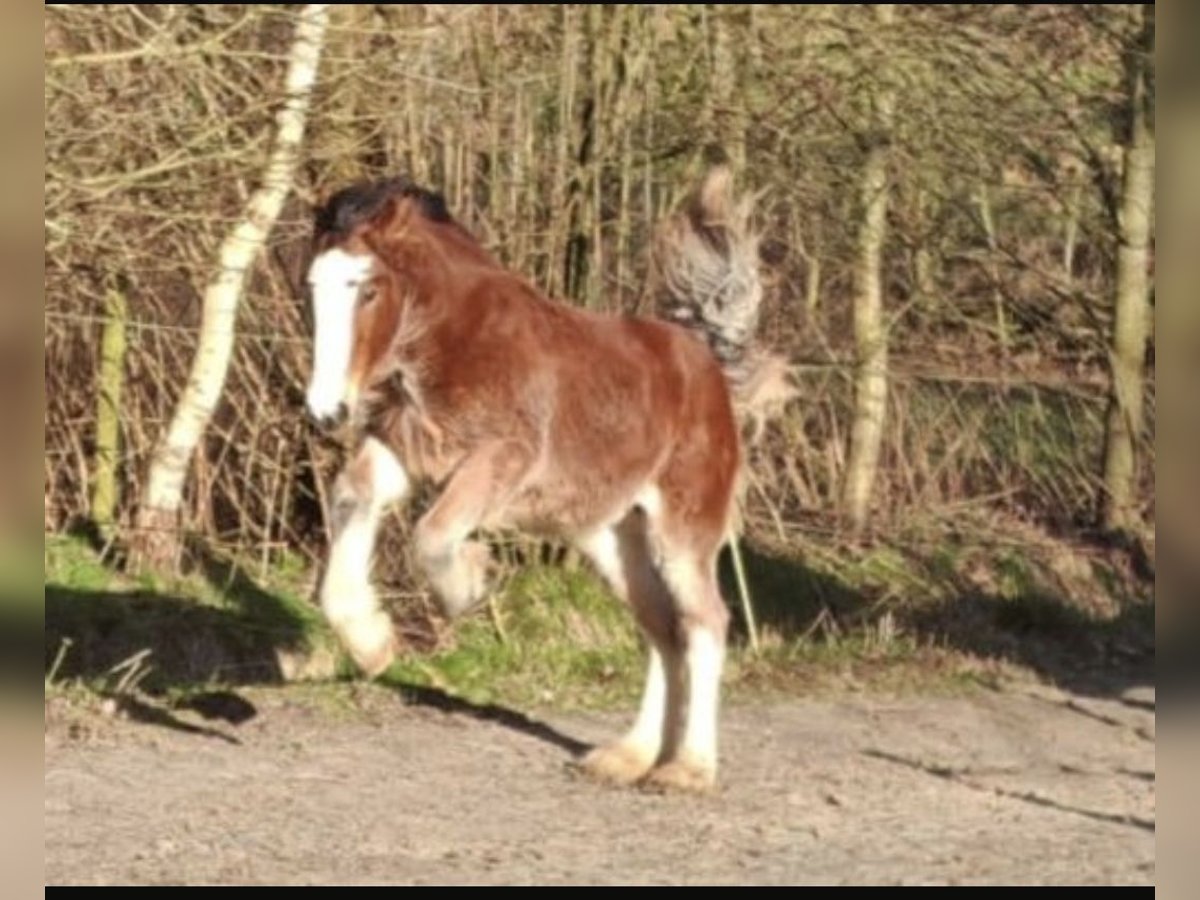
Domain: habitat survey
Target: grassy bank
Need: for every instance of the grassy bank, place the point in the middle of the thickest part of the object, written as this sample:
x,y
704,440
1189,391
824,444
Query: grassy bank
x,y
886,618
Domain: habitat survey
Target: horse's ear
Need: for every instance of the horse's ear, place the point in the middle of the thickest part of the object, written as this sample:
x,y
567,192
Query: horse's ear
x,y
317,197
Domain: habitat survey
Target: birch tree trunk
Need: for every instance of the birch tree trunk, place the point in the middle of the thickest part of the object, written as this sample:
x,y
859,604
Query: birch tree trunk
x,y
870,330
156,542
1132,301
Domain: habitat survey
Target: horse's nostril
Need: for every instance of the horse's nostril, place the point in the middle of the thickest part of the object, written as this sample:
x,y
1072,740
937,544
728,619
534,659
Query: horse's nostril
x,y
332,420
324,420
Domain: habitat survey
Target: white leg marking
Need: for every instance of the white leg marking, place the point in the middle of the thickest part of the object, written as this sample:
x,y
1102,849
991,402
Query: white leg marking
x,y
460,581
631,756
389,480
646,735
604,550
336,278
347,598
456,568
704,658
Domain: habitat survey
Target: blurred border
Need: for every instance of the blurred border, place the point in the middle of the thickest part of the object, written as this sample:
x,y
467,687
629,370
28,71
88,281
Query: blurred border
x,y
1177,325
21,392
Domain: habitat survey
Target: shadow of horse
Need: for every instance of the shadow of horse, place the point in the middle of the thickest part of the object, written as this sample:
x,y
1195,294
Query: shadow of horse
x,y
434,698
162,642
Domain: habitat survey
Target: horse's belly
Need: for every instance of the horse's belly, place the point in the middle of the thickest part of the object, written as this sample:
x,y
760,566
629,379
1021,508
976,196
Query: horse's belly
x,y
566,507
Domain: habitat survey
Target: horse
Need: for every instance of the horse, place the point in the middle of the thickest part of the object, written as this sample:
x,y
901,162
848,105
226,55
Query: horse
x,y
617,434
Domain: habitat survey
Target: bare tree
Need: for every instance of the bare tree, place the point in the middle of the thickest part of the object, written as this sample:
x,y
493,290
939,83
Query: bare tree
x,y
156,542
110,380
559,136
870,330
1132,299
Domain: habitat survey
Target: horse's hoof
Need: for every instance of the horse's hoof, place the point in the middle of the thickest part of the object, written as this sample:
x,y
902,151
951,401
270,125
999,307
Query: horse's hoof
x,y
371,643
463,586
375,665
682,776
617,763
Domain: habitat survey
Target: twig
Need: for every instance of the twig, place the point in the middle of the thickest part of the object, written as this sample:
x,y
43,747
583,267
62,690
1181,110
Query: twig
x,y
497,620
63,646
744,592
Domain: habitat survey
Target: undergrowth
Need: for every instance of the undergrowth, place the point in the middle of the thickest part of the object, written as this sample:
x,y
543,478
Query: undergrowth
x,y
940,616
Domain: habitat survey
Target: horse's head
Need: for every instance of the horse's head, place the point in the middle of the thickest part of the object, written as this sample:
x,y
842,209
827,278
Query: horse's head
x,y
358,286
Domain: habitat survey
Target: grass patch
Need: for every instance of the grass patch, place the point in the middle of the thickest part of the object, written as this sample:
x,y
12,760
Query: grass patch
x,y
558,638
214,625
938,617
949,608
20,614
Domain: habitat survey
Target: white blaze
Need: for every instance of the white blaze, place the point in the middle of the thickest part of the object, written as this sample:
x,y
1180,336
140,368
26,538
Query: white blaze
x,y
336,278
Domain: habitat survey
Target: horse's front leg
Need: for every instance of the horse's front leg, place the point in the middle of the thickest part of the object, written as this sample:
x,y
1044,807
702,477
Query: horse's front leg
x,y
479,489
371,481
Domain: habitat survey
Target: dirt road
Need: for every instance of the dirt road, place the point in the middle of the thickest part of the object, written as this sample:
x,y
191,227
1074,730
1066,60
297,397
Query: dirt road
x,y
1023,786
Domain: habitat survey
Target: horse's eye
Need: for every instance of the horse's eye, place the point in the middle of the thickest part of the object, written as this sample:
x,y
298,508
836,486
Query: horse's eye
x,y
369,293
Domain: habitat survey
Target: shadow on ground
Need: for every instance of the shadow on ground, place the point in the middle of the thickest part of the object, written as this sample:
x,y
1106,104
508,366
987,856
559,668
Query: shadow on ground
x,y
157,639
97,631
434,698
1037,628
135,646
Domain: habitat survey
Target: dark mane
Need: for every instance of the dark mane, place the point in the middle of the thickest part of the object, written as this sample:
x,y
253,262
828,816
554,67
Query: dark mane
x,y
358,203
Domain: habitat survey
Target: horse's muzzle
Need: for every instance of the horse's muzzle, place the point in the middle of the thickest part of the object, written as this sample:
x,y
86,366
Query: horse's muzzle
x,y
330,421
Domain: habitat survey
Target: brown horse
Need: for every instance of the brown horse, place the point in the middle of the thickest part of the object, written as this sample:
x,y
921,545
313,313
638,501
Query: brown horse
x,y
618,434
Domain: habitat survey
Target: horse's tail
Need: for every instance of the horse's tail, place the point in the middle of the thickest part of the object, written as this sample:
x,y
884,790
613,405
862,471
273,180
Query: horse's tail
x,y
707,257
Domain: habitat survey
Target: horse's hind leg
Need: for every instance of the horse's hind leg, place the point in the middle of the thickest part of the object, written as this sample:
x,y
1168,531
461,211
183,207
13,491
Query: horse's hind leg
x,y
371,481
482,484
622,555
703,622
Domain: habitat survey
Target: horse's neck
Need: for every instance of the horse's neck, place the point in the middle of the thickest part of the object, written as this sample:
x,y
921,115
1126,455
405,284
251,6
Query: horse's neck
x,y
436,303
